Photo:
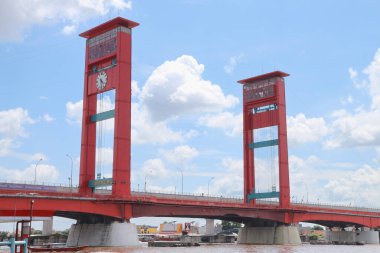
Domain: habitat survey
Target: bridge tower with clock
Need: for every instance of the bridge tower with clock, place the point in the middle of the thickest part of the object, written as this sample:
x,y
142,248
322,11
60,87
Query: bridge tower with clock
x,y
107,67
264,107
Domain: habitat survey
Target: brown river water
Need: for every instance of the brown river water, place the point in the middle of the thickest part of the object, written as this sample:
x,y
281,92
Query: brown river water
x,y
231,248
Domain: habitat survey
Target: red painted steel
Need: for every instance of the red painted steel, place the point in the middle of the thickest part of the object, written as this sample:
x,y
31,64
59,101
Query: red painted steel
x,y
259,91
116,63
122,204
140,205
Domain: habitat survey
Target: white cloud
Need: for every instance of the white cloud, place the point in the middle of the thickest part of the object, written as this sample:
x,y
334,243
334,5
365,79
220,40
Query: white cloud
x,y
12,122
347,100
226,183
104,156
47,118
43,172
154,169
180,154
338,183
178,88
232,165
233,61
74,112
146,131
156,188
373,73
352,130
377,159
229,123
12,126
174,90
5,146
135,88
18,16
353,73
302,130
69,29
360,127
143,129
360,187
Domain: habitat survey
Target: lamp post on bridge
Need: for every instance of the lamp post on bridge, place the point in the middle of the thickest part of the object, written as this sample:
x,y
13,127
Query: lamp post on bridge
x,y
208,186
71,171
35,171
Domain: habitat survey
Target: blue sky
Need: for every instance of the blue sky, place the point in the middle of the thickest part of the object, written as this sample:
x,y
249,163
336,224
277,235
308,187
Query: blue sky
x,y
187,57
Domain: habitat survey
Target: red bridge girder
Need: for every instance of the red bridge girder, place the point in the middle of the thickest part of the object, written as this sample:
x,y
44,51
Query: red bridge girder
x,y
119,209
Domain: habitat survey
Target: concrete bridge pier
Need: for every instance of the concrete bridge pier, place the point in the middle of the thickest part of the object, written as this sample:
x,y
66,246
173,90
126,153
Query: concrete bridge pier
x,y
47,227
109,234
269,233
350,237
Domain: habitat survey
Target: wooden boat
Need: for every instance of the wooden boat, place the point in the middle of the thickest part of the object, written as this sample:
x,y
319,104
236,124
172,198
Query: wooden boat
x,y
55,249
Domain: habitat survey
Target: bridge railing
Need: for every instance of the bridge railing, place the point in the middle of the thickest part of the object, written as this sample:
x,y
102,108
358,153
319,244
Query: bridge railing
x,y
187,196
28,186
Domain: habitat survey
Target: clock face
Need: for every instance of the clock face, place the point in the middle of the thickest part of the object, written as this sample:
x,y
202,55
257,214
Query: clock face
x,y
101,80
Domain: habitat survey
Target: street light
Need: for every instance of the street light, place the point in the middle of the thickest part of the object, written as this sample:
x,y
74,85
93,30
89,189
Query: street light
x,y
180,170
35,171
31,217
71,172
208,186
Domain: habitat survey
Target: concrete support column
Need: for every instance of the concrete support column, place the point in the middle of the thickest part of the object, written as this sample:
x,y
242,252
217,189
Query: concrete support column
x,y
281,235
103,234
47,227
349,237
210,227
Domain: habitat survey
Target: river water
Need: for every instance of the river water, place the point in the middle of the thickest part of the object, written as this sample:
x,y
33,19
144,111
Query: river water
x,y
232,248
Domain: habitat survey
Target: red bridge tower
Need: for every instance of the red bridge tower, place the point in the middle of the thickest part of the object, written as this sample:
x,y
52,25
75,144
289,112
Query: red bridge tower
x,y
264,106
107,67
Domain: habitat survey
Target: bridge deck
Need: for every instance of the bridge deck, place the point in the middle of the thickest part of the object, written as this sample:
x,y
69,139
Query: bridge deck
x,y
176,205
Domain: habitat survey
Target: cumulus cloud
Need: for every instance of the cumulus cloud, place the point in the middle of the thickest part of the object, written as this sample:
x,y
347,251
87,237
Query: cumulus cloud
x,y
18,16
12,122
12,126
144,130
5,146
228,122
338,183
74,112
373,74
177,88
43,173
135,88
350,187
69,29
302,130
360,127
226,182
180,154
355,129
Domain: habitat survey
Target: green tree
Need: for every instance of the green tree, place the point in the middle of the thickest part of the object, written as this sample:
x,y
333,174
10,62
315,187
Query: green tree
x,y
227,225
317,227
